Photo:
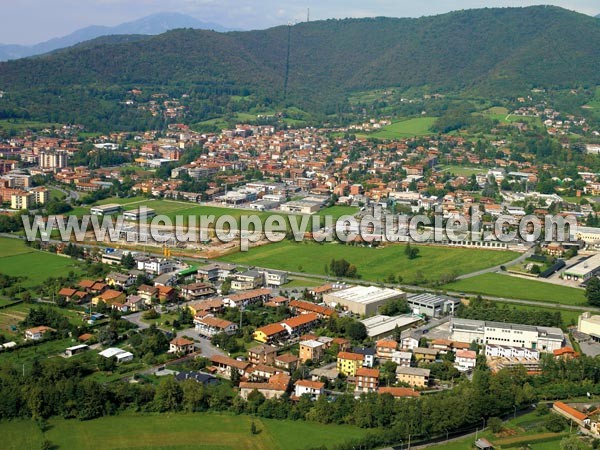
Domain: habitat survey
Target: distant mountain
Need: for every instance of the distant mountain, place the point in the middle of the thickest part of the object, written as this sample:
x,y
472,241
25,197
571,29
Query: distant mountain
x,y
492,52
150,25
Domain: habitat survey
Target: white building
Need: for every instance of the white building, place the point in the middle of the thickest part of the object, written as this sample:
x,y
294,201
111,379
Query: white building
x,y
544,339
117,353
506,351
312,388
465,360
402,358
363,300
381,326
156,266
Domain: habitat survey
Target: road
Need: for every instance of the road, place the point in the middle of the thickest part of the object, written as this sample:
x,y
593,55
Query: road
x,y
70,194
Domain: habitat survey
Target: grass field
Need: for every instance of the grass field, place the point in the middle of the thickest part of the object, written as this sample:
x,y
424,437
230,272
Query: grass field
x,y
175,431
11,317
464,171
512,287
21,124
373,264
419,126
20,261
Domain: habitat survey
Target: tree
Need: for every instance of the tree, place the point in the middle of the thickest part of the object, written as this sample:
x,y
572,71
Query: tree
x,y
253,429
495,424
357,331
592,291
411,252
572,443
168,395
128,261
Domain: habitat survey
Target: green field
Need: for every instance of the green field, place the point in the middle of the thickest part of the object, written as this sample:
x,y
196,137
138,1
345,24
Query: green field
x,y
21,125
373,264
464,171
569,317
512,287
18,260
175,431
419,126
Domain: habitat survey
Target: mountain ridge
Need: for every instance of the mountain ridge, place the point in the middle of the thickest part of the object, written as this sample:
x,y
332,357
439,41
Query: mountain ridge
x,y
494,51
149,25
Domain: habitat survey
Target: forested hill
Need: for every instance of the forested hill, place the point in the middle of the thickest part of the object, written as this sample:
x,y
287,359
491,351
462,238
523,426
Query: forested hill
x,y
489,50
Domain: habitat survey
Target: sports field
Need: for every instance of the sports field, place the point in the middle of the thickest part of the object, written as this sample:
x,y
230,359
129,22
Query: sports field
x,y
18,260
500,285
373,264
419,126
175,431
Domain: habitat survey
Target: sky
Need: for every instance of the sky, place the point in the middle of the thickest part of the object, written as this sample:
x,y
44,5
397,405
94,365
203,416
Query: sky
x,y
32,21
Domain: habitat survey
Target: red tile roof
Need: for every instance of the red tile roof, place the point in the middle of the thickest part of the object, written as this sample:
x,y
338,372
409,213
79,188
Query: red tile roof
x,y
398,391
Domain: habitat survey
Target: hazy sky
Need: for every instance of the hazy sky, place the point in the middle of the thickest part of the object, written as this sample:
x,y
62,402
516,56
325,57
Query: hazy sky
x,y
32,21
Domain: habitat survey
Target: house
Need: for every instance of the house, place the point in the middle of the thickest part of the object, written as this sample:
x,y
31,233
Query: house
x,y
135,303
274,388
368,355
304,307
109,297
262,354
348,363
342,343
313,389
317,292
255,296
565,353
398,392
465,360
367,380
275,278
402,359
166,279
209,326
483,444
413,376
311,350
273,332
148,293
300,324
225,365
212,305
251,279
287,361
261,372
209,272
425,354
37,333
441,345
116,279
73,295
385,348
409,343
196,291
181,346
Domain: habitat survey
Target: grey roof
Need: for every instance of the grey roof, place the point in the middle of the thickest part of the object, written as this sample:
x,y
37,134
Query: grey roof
x,y
412,371
431,299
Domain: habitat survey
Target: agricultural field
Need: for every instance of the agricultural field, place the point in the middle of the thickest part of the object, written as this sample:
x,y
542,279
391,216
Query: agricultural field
x,y
175,431
373,264
11,317
419,126
500,285
18,260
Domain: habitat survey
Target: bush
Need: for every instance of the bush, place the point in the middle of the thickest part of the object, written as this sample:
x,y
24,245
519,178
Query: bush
x,y
495,424
555,424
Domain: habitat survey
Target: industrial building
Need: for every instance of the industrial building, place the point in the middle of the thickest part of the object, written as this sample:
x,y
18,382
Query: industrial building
x,y
545,339
590,325
432,305
104,210
363,300
584,270
383,326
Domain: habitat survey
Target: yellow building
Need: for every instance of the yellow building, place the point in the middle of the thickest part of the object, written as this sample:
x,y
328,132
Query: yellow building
x,y
348,363
270,333
413,376
41,195
109,297
21,200
590,325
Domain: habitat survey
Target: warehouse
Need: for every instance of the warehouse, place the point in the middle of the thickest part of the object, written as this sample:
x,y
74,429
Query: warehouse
x,y
363,300
432,305
584,270
379,327
590,325
105,210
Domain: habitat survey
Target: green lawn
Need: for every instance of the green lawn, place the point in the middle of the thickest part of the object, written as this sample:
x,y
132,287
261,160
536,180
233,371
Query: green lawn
x,y
175,431
464,171
419,126
373,264
36,266
512,287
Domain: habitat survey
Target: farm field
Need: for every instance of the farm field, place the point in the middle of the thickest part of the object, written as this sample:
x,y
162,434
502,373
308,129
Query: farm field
x,y
373,264
419,126
175,431
18,260
512,287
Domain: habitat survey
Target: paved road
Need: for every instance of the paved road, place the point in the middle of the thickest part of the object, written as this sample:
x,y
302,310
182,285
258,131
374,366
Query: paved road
x,y
70,194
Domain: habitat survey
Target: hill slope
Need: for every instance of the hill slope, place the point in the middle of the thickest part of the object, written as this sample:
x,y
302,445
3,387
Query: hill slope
x,y
150,25
490,50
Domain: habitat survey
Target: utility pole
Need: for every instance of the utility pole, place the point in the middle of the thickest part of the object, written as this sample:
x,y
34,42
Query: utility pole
x,y
308,14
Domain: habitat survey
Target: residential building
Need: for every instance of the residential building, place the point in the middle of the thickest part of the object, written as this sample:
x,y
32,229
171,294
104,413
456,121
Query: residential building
x,y
287,361
181,346
311,350
402,359
314,389
209,325
304,307
398,392
297,325
21,200
275,388
273,332
368,355
116,279
262,354
37,333
225,365
413,376
274,278
465,360
348,363
196,291
386,348
109,297
367,380
243,299
425,354
251,279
